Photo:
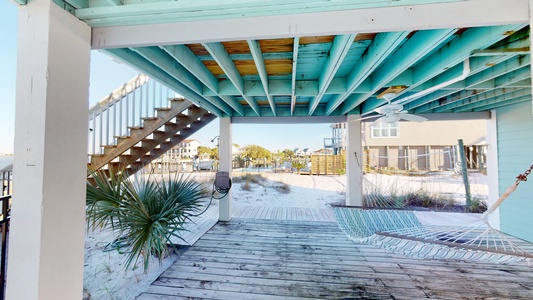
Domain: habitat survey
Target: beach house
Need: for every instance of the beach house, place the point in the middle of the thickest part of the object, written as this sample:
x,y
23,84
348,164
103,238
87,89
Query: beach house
x,y
263,62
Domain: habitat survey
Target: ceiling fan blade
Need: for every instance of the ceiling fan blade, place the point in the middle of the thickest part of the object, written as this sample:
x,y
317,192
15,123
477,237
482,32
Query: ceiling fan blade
x,y
367,117
388,108
410,117
391,118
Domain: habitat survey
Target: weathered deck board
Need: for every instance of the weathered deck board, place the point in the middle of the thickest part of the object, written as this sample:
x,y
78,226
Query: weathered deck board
x,y
287,259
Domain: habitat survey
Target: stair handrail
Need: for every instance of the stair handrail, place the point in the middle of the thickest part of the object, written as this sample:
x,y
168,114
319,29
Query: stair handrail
x,y
125,108
117,95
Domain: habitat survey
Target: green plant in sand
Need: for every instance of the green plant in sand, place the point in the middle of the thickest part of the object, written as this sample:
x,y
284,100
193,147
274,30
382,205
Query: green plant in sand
x,y
146,210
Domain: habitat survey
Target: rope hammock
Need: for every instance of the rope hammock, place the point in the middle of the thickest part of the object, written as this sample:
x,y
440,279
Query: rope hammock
x,y
400,231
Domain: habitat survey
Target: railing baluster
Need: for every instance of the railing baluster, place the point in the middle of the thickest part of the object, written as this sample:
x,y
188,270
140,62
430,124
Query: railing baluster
x,y
128,110
100,133
133,108
120,111
115,120
107,113
148,113
160,95
93,132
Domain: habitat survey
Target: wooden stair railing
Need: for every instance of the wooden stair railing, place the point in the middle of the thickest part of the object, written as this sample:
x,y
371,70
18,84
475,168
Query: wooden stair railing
x,y
157,135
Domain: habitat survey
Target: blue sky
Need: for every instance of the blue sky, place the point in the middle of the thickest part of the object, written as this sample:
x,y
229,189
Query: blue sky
x,y
107,75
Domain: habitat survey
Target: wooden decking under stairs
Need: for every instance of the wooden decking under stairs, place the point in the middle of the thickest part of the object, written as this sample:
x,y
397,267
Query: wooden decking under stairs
x,y
151,140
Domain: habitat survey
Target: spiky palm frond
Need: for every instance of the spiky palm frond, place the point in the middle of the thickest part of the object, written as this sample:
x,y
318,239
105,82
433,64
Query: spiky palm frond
x,y
150,211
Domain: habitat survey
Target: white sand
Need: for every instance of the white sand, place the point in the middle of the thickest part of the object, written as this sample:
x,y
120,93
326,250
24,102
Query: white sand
x,y
106,278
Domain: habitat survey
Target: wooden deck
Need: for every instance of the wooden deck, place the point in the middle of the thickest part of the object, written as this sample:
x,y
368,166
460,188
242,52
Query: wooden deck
x,y
286,259
201,224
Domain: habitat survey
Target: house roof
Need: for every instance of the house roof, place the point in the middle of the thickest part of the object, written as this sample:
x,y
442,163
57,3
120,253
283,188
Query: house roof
x,y
322,59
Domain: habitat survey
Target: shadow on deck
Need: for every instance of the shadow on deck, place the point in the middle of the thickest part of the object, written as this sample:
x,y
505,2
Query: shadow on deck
x,y
295,259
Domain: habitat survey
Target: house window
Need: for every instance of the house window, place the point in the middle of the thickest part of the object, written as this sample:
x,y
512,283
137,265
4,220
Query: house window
x,y
385,130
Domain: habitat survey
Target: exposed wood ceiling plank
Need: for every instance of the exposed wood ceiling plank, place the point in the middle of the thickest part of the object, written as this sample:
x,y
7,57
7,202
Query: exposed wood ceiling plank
x,y
137,61
189,61
221,56
339,49
414,49
295,47
261,69
450,15
161,59
383,45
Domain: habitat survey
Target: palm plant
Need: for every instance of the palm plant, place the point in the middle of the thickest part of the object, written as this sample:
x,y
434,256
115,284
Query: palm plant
x,y
148,211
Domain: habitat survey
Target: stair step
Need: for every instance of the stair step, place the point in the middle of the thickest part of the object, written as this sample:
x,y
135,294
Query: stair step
x,y
149,141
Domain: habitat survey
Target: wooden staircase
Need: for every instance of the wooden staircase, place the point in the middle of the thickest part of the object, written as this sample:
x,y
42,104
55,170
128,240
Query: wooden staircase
x,y
148,141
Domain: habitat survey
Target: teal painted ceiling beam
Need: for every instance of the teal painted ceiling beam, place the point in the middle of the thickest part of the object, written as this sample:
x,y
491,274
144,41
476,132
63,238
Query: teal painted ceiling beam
x,y
114,2
414,49
141,12
383,45
295,48
468,97
220,55
188,60
339,49
455,52
138,62
502,96
245,56
500,82
161,59
281,87
459,49
503,103
78,3
257,55
428,102
483,80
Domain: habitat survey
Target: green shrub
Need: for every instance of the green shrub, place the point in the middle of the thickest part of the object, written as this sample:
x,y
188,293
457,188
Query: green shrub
x,y
147,211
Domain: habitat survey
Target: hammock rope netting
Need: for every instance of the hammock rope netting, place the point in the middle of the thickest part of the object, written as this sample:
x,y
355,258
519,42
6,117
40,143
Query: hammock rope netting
x,y
381,223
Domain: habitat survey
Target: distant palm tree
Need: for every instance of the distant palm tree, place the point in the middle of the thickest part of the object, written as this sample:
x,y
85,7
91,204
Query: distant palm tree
x,y
147,211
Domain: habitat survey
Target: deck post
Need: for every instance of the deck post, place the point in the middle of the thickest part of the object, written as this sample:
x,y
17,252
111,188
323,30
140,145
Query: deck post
x,y
46,244
492,168
225,157
354,162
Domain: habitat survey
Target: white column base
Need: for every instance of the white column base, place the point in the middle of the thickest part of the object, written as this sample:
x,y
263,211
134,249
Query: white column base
x,y
46,243
354,162
225,158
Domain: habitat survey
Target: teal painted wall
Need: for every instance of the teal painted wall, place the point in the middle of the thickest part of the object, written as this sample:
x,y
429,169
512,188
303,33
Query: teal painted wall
x,y
515,155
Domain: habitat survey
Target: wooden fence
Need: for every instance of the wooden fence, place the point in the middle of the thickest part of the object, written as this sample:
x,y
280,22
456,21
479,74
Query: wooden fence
x,y
328,164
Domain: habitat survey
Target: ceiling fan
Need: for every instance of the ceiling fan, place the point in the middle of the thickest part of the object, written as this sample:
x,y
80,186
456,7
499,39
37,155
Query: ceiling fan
x,y
393,112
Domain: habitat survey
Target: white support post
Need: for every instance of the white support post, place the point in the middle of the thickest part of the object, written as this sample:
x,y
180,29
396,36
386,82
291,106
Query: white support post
x,y
354,163
531,42
492,168
46,242
225,157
